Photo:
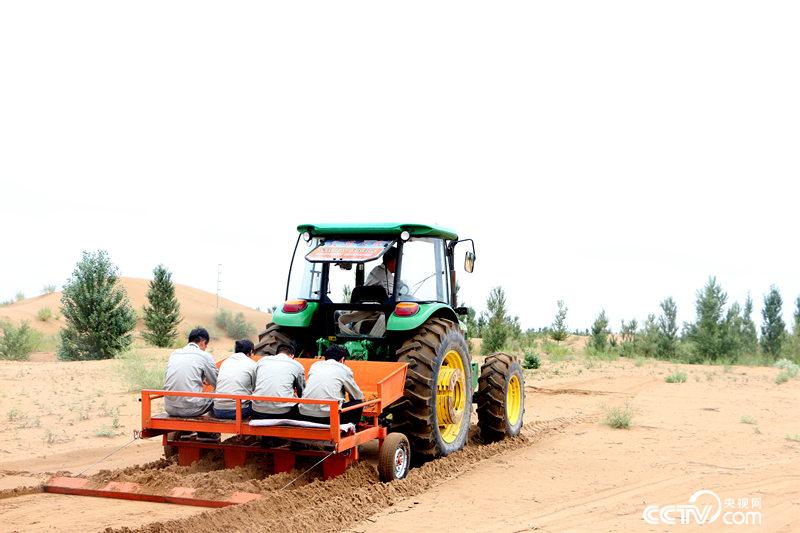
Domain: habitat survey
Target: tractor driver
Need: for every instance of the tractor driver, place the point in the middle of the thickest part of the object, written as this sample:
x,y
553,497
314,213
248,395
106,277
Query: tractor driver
x,y
383,274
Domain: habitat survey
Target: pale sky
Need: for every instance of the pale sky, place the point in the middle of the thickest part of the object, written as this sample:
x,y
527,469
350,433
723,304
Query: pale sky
x,y
609,154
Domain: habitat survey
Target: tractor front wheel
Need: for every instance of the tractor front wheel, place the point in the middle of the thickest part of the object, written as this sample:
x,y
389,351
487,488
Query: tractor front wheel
x,y
500,397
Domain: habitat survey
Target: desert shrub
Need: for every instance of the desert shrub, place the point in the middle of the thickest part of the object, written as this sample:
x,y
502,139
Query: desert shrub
x,y
141,372
239,328
618,417
678,376
20,296
99,317
783,376
162,314
793,437
789,366
531,360
236,326
746,419
45,314
48,289
17,343
554,351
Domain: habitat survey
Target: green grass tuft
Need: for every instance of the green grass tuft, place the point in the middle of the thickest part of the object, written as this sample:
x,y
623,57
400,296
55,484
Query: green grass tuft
x,y
678,376
618,417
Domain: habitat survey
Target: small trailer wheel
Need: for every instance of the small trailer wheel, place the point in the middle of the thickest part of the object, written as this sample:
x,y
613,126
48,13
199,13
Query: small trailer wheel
x,y
394,457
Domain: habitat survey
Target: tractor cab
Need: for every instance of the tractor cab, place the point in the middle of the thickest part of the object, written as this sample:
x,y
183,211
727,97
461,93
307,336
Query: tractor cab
x,y
361,285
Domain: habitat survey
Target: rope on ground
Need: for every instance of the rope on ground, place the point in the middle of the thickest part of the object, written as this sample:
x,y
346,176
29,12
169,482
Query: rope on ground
x,y
308,470
107,456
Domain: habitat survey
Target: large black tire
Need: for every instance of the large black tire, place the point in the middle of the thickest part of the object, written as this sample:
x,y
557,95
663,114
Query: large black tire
x,y
416,414
394,457
270,339
497,419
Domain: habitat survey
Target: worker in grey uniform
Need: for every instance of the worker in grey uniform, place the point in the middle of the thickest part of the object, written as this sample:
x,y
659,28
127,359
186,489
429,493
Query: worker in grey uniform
x,y
188,369
279,376
237,375
330,380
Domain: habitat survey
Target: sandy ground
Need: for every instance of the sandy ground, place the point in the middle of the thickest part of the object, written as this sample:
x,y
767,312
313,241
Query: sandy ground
x,y
568,472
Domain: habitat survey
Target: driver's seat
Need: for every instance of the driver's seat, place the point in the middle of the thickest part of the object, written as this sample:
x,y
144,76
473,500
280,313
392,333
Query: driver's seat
x,y
369,294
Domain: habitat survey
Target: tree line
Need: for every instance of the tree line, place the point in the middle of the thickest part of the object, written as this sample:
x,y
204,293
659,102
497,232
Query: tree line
x,y
719,333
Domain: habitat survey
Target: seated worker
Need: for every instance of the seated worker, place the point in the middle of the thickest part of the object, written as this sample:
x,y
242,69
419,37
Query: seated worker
x,y
329,380
187,369
237,375
280,376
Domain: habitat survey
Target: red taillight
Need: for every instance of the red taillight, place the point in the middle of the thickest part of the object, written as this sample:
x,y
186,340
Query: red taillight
x,y
406,309
294,306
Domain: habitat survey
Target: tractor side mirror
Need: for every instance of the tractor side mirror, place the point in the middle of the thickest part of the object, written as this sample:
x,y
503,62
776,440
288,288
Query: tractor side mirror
x,y
469,261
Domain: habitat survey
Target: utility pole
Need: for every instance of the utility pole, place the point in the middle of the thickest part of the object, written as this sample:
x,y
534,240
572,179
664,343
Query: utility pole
x,y
219,281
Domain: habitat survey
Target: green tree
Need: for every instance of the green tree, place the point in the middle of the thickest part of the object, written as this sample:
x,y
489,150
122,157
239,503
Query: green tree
x,y
558,332
796,330
773,329
667,329
599,338
472,328
734,339
708,332
649,337
99,318
748,334
496,330
162,314
628,330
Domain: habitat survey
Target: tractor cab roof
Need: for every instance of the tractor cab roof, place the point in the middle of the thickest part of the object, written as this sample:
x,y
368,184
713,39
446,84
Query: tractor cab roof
x,y
388,229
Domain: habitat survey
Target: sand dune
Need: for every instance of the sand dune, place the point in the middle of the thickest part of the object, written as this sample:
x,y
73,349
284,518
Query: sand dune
x,y
198,307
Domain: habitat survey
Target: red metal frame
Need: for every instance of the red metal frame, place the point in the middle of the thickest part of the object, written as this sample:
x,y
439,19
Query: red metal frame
x,y
384,380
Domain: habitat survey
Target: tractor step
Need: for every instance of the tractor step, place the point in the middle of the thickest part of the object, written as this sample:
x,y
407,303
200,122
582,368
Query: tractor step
x,y
124,490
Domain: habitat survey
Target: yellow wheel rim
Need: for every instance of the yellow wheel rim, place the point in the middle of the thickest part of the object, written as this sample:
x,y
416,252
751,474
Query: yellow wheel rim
x,y
451,396
514,400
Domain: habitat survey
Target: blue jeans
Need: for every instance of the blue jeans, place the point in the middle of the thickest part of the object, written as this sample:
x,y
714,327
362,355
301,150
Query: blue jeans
x,y
230,414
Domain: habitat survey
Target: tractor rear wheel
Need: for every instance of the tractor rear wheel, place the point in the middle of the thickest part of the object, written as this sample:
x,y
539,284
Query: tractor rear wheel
x,y
270,339
435,410
500,397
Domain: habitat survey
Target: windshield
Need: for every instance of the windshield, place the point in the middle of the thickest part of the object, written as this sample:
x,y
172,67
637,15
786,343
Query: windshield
x,y
423,278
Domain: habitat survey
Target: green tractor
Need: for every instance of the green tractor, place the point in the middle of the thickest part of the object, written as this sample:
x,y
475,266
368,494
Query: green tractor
x,y
388,293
